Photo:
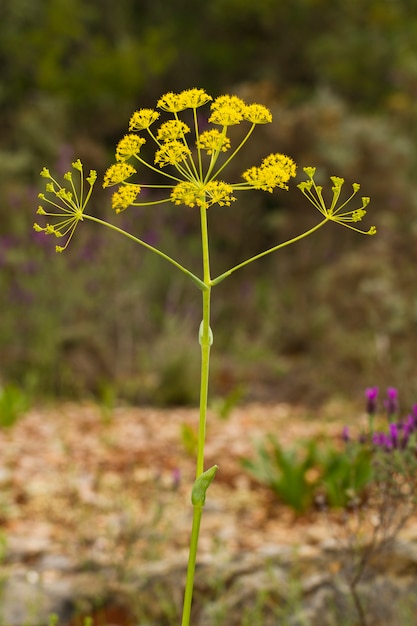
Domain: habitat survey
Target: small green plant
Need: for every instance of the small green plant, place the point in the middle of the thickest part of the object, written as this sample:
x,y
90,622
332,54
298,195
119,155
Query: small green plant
x,y
311,473
287,471
191,155
14,402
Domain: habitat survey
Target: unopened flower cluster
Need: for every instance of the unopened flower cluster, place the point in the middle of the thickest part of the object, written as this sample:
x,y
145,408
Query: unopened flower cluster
x,y
192,154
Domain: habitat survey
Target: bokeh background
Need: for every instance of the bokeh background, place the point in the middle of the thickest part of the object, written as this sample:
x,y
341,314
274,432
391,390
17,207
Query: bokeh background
x,y
324,318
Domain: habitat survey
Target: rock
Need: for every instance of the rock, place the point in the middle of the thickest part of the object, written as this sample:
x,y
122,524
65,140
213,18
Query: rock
x,y
278,585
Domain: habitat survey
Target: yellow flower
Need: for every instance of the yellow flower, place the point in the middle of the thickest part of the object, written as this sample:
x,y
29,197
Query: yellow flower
x,y
203,195
171,153
129,146
219,193
118,173
171,102
142,119
194,98
171,130
188,193
274,171
257,114
213,140
124,197
69,204
314,193
227,110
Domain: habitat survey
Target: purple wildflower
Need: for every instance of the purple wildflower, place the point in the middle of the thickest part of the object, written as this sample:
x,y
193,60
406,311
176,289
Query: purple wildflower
x,y
345,434
371,394
391,403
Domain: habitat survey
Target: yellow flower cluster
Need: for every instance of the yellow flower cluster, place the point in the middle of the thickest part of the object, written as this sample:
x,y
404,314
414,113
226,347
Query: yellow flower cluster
x,y
118,173
193,169
212,140
124,197
192,194
69,204
335,212
129,147
274,171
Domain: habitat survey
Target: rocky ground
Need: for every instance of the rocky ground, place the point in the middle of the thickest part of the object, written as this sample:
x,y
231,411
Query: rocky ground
x,y
84,487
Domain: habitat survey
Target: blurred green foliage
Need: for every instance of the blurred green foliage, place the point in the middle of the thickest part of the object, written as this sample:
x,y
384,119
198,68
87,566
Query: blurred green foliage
x,y
311,474
333,314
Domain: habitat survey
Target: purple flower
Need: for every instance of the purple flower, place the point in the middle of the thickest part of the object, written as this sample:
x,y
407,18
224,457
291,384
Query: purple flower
x,y
345,434
371,394
391,403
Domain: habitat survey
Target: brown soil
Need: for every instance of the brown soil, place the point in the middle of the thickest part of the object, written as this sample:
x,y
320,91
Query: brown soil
x,y
114,487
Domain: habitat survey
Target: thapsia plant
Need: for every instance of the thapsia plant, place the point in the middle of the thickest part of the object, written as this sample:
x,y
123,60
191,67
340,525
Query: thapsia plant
x,y
192,173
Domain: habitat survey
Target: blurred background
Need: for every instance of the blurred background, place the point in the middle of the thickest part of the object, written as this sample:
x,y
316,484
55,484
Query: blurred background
x,y
324,318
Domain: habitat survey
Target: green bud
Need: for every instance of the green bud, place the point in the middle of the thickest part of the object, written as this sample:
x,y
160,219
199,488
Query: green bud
x,y
200,335
77,165
202,483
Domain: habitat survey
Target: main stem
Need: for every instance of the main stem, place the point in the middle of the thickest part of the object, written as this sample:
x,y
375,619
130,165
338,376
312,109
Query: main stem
x,y
205,338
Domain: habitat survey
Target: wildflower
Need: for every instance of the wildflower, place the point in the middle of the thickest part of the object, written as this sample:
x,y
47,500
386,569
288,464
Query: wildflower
x,y
129,146
69,204
124,197
142,119
117,173
257,114
335,213
188,193
227,111
213,141
219,193
172,130
345,434
371,396
391,403
274,171
171,153
194,98
171,102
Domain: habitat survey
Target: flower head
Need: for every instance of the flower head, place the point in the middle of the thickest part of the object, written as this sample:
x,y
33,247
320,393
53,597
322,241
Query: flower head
x,y
142,119
189,158
118,173
213,141
124,197
227,111
128,147
172,130
335,212
69,203
274,171
171,153
371,394
257,114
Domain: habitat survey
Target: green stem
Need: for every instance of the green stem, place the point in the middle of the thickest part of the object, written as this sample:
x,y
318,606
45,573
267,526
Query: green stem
x,y
219,279
200,284
205,339
189,586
